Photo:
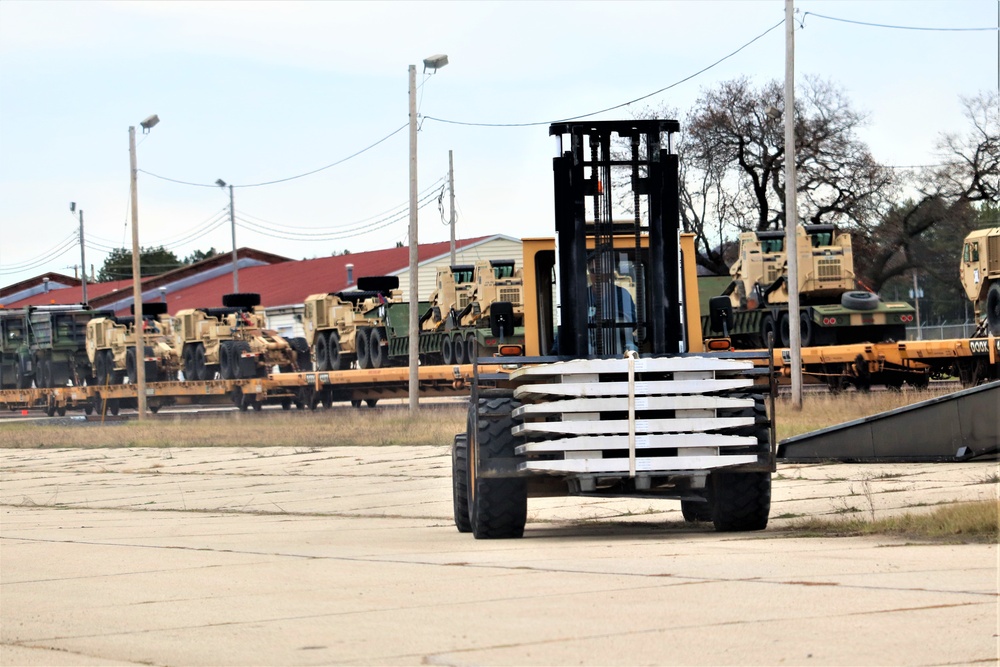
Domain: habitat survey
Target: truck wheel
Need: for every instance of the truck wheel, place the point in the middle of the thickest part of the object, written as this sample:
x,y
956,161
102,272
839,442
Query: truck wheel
x,y
322,352
768,329
100,373
378,353
225,360
993,309
200,367
361,345
190,372
741,501
460,482
458,345
499,506
244,367
130,372
471,348
784,331
806,330
447,351
371,402
109,368
859,300
335,361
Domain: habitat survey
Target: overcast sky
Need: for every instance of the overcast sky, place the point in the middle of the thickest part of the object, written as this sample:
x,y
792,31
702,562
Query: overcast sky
x,y
265,91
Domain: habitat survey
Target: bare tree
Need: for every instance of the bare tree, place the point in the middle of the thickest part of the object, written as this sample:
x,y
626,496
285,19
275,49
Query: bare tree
x,y
951,193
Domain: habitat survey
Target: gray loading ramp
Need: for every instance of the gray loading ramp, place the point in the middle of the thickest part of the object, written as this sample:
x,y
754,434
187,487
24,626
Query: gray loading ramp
x,y
956,427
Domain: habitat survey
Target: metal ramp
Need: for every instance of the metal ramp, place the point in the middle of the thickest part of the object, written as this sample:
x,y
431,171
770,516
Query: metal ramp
x,y
956,427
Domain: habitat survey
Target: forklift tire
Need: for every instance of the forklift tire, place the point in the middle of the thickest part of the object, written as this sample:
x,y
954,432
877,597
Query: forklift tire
x,y
460,482
741,501
694,511
498,506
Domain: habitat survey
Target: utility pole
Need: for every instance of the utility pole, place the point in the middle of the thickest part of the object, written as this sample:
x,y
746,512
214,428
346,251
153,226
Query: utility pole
x,y
232,224
451,201
791,210
414,293
140,343
83,259
916,301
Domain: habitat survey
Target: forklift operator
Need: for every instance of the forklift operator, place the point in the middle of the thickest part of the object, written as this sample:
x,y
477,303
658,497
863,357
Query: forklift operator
x,y
619,308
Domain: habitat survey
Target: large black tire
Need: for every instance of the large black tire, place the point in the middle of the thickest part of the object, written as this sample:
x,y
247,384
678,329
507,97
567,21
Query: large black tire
x,y
241,300
769,328
498,506
322,352
784,331
336,359
741,501
460,482
378,352
130,371
361,341
244,367
100,368
303,360
226,360
471,348
993,309
458,345
187,357
111,375
806,330
694,511
447,351
859,300
200,365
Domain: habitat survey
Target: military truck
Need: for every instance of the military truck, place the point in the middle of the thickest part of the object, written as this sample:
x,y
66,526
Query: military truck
x,y
341,328
666,420
46,346
231,341
980,274
462,308
111,346
832,310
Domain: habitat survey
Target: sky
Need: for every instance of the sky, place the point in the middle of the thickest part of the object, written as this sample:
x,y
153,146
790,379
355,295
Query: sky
x,y
257,92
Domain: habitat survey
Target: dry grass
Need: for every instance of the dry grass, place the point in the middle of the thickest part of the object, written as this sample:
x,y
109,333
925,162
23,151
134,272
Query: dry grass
x,y
820,410
324,428
961,522
436,424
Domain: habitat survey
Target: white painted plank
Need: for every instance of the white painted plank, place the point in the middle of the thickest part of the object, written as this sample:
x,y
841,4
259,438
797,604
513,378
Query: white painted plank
x,y
644,365
642,388
642,464
620,442
614,426
620,404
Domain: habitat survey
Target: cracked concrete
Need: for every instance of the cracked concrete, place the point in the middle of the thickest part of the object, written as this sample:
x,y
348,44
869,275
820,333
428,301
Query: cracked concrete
x,y
326,556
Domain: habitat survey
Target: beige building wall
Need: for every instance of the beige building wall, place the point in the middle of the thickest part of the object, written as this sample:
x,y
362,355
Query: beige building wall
x,y
495,247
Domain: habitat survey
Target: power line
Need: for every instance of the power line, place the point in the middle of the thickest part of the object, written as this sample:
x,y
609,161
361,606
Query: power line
x,y
283,180
617,106
56,253
894,27
395,210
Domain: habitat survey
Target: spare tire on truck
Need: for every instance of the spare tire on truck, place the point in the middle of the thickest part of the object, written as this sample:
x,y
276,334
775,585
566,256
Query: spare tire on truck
x,y
859,300
241,300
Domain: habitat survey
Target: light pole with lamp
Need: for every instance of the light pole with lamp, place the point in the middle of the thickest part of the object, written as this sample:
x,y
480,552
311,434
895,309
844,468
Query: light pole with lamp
x,y
83,259
433,63
232,223
140,342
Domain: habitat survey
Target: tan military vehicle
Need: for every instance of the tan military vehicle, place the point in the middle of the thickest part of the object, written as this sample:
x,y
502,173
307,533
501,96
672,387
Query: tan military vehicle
x,y
832,310
341,328
980,274
110,346
233,341
453,291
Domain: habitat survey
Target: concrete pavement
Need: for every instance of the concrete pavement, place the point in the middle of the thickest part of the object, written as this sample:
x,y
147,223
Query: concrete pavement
x,y
315,556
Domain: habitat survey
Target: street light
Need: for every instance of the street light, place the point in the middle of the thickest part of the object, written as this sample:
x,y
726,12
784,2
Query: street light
x,y
232,223
83,259
140,342
433,63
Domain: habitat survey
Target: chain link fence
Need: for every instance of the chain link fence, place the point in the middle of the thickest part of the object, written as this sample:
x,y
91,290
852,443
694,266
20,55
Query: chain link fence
x,y
941,331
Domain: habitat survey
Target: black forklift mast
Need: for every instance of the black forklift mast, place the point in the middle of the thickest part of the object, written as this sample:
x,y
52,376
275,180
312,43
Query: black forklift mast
x,y
603,156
